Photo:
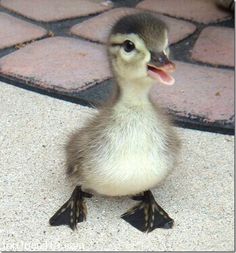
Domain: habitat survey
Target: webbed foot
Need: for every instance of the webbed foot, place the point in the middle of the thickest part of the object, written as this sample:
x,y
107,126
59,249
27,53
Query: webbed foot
x,y
147,215
73,211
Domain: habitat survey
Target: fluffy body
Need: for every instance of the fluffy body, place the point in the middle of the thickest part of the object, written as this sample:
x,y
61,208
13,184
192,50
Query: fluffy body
x,y
123,150
129,146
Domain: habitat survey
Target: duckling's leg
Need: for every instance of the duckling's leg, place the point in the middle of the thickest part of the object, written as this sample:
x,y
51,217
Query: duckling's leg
x,y
147,215
73,211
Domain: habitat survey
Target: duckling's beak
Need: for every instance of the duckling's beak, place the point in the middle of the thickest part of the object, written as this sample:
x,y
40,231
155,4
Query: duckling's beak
x,y
159,68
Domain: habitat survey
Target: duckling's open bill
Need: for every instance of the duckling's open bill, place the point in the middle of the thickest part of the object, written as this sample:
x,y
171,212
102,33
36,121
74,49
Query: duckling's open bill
x,y
161,74
129,146
160,68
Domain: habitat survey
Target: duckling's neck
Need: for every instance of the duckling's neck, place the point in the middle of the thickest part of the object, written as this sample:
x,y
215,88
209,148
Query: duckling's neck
x,y
134,91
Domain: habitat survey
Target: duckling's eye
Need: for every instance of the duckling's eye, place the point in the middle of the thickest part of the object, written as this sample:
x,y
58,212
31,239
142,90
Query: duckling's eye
x,y
128,46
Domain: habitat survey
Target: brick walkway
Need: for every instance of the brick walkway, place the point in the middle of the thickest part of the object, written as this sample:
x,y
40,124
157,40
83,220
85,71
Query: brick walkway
x,y
56,47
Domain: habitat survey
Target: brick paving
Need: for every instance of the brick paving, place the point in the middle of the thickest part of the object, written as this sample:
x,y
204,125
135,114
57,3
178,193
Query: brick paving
x,y
88,29
53,10
14,31
63,61
215,46
202,11
198,91
65,64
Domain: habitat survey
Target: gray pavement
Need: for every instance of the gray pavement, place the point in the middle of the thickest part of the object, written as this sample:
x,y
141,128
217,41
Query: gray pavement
x,y
198,194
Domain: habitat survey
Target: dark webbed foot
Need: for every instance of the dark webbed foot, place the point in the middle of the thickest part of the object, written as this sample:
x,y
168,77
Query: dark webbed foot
x,y
147,215
73,211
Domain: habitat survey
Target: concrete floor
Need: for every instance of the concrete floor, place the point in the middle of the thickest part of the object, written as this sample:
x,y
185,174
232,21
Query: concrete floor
x,y
198,194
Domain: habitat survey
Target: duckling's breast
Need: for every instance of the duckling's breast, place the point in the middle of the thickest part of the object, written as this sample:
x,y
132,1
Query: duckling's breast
x,y
133,158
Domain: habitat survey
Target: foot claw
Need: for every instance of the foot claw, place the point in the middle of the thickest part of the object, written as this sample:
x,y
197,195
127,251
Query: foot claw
x,y
169,224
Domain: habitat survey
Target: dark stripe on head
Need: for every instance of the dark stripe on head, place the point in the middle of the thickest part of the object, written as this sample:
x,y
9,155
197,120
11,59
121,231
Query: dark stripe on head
x,y
146,25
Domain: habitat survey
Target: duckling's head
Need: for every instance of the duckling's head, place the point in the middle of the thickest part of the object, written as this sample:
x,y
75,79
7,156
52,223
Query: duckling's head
x,y
138,49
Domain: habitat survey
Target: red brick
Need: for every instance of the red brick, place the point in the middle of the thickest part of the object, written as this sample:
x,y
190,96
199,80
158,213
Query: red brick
x,y
53,10
199,91
202,11
14,31
65,64
215,45
89,28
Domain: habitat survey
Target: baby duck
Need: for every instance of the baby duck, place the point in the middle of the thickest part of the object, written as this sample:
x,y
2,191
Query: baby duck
x,y
129,147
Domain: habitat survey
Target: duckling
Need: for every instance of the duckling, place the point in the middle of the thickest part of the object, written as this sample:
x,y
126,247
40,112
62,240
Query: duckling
x,y
129,147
